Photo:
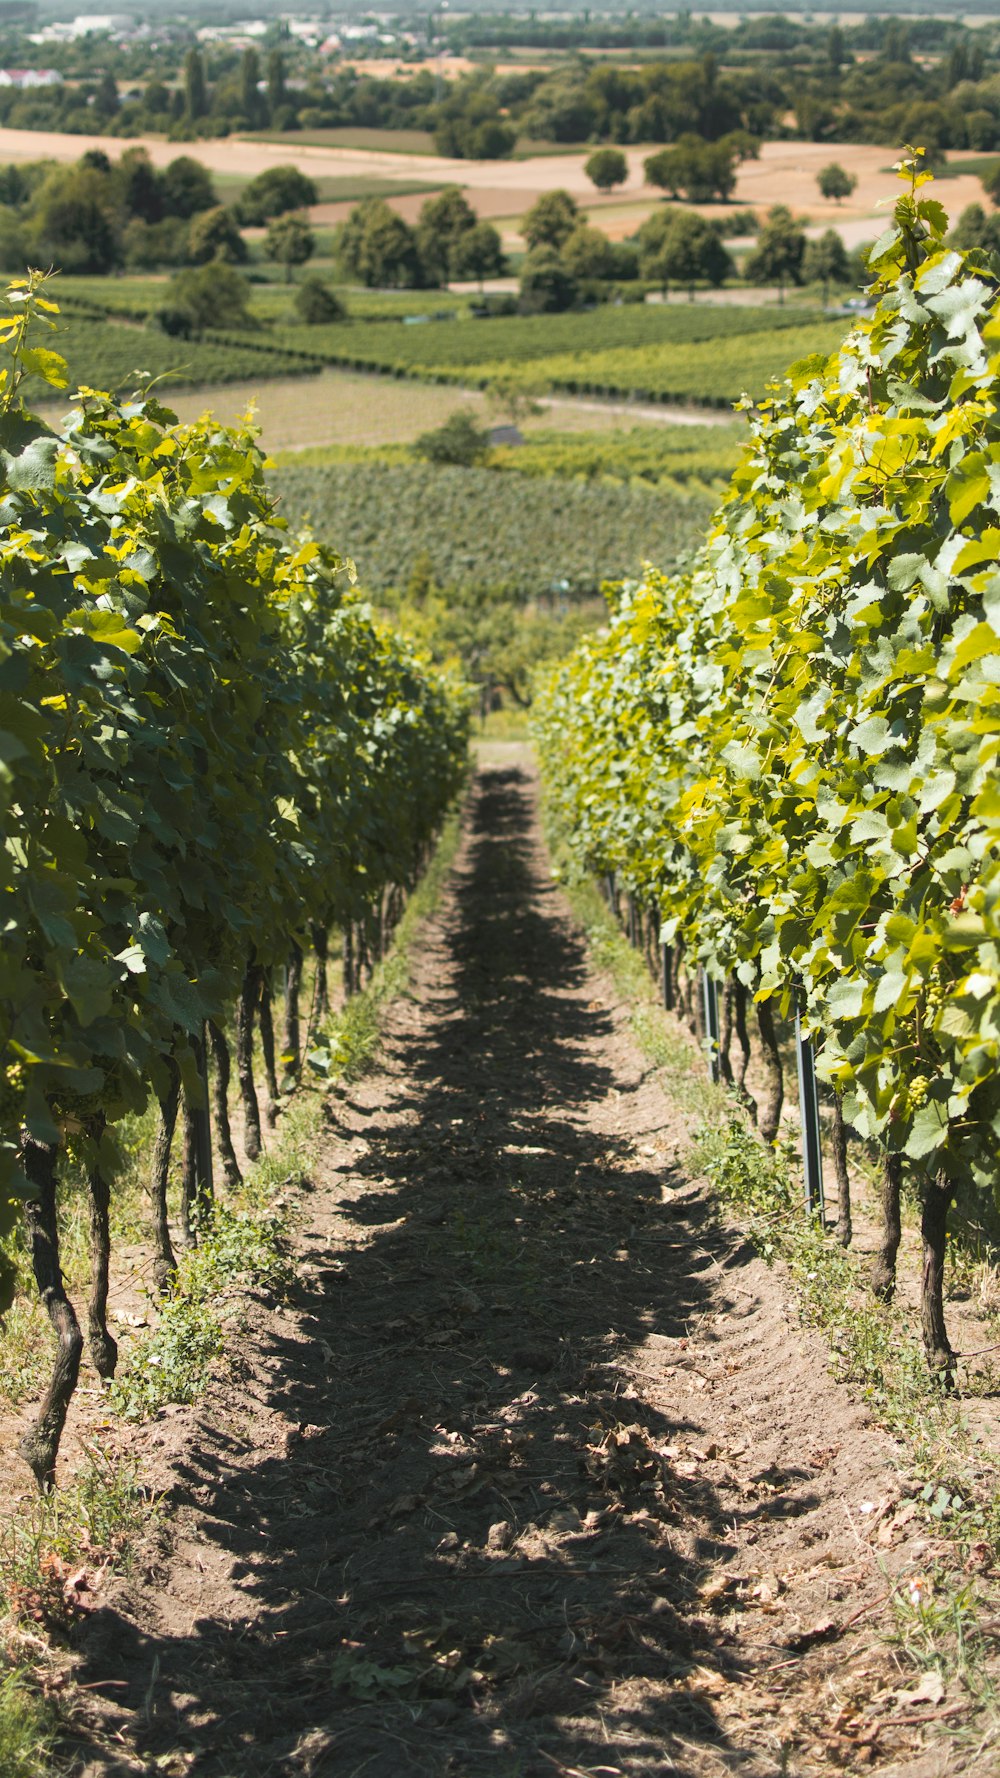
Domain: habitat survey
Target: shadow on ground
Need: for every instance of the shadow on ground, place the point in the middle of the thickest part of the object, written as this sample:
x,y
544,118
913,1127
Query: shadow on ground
x,y
478,1558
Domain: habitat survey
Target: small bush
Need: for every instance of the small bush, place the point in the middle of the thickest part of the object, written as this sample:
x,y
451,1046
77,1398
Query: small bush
x,y
458,441
316,303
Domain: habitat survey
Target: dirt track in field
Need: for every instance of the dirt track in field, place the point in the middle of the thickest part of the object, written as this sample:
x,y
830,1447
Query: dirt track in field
x,y
537,1473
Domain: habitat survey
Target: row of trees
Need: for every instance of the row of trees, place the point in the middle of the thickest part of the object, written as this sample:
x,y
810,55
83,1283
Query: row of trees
x,y
566,257
377,247
754,79
99,215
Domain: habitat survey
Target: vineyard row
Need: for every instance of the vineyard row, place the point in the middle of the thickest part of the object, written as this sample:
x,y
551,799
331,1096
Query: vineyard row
x,y
787,755
212,756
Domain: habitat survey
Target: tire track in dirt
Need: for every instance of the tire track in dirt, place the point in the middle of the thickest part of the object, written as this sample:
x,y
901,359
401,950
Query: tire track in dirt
x,y
537,1474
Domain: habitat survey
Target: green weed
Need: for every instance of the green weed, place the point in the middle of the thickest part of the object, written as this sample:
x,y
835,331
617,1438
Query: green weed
x,y
236,1251
349,1044
50,1553
27,1730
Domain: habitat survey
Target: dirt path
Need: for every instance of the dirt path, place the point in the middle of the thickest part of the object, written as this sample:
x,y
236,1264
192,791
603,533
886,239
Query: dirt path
x,y
538,1473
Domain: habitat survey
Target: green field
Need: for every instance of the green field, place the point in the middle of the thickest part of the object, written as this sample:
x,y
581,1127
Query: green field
x,y
516,339
712,373
272,300
475,527
688,458
707,355
107,355
684,459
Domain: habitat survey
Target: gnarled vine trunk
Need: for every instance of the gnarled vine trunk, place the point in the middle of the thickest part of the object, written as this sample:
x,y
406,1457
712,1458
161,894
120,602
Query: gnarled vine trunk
x,y
938,1194
349,983
245,1008
293,983
103,1346
164,1261
726,1030
197,1191
321,947
267,1049
838,1153
740,1087
231,1172
882,1276
40,1444
769,1110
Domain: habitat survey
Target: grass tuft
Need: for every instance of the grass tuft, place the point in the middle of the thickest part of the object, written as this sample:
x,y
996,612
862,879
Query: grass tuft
x,y
27,1730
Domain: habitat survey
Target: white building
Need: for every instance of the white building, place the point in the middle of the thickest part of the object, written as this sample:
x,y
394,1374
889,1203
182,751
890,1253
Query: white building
x,y
96,24
28,77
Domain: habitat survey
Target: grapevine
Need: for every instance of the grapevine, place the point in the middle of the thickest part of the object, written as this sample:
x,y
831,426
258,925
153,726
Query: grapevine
x,y
211,754
789,751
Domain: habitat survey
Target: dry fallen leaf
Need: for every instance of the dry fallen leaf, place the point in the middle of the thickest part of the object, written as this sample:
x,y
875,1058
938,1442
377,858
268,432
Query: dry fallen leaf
x,y
929,1691
826,1629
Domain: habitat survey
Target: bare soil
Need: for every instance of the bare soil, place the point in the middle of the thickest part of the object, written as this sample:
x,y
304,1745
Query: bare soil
x,y
785,173
537,1472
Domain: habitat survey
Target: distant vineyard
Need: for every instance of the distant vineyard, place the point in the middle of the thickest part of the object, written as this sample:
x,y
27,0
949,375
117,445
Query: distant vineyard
x,y
687,457
661,352
715,372
555,532
515,339
711,356
107,355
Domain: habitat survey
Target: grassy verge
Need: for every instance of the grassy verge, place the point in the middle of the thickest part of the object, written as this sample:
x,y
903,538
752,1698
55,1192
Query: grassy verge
x,y
27,1729
349,1043
942,1617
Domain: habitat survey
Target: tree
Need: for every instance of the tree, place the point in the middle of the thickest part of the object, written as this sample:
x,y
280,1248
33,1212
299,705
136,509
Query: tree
x,y
276,94
606,168
76,221
991,183
195,91
250,99
106,101
680,247
141,185
443,220
273,193
547,284
652,238
149,245
825,262
976,228
694,169
187,187
213,234
378,248
835,182
213,295
316,304
551,220
289,242
777,257
478,253
693,252
588,253
459,441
